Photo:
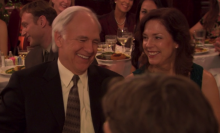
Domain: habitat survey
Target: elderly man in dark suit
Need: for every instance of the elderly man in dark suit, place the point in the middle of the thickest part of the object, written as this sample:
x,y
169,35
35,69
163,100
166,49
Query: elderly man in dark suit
x,y
63,95
37,18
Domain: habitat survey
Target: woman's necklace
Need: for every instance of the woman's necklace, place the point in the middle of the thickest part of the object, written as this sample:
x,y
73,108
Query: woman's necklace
x,y
120,23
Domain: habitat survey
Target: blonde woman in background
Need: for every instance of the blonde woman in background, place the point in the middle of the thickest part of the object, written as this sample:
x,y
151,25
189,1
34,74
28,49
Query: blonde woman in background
x,y
3,34
60,5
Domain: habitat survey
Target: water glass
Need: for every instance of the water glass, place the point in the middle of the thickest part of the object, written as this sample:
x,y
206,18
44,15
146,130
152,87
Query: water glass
x,y
111,41
199,36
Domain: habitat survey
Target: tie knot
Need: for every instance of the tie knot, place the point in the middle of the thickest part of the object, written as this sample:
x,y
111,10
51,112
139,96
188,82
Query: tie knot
x,y
75,79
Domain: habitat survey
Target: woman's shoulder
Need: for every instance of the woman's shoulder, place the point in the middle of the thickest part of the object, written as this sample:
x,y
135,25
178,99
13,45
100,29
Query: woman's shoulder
x,y
131,16
105,17
2,23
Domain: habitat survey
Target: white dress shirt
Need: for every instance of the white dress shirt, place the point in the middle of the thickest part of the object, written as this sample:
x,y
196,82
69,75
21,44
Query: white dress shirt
x,y
83,89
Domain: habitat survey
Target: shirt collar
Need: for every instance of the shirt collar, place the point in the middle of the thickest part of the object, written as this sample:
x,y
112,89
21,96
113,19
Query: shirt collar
x,y
66,75
48,48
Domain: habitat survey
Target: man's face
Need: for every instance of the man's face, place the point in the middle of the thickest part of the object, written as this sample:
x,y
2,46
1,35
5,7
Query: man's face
x,y
30,29
78,44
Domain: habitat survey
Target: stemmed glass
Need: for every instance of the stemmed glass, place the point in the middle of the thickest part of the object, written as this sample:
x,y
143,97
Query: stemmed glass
x,y
122,36
111,41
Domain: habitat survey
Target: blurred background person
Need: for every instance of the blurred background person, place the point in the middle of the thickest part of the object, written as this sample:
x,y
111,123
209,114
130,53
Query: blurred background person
x,y
60,5
210,21
3,38
163,35
157,104
37,18
144,6
3,33
120,17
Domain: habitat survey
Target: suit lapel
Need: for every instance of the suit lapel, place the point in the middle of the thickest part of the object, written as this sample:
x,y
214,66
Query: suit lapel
x,y
53,92
95,94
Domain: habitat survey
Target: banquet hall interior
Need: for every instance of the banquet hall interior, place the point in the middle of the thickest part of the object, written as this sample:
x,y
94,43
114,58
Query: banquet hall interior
x,y
119,56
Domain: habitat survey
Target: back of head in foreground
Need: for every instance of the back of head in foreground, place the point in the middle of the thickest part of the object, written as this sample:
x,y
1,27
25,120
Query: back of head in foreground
x,y
157,104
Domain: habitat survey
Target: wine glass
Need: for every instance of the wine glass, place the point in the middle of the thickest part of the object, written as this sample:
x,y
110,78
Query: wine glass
x,y
111,41
122,36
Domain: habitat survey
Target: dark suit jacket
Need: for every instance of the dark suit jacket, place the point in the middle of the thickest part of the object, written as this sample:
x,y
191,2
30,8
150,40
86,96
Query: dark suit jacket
x,y
35,57
32,101
109,25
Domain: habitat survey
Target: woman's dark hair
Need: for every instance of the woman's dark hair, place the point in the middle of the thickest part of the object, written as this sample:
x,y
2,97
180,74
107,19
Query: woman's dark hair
x,y
177,26
212,15
156,103
158,3
137,53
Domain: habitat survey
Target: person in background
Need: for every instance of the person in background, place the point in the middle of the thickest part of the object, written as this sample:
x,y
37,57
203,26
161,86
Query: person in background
x,y
120,17
64,95
210,21
3,34
36,21
3,38
163,36
156,103
144,7
60,5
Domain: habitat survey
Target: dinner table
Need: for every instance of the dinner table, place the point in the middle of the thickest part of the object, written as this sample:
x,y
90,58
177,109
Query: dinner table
x,y
3,81
209,60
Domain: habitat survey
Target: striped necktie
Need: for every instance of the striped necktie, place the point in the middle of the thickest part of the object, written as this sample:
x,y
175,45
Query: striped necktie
x,y
72,120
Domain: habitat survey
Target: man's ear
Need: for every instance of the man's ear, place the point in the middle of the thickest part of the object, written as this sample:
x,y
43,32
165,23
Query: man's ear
x,y
106,127
42,21
58,39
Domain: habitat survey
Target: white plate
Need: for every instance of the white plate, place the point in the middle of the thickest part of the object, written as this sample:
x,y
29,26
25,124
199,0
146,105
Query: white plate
x,y
3,69
204,52
209,45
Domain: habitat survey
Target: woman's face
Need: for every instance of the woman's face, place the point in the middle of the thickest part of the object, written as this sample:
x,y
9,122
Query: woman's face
x,y
147,6
123,5
60,5
158,44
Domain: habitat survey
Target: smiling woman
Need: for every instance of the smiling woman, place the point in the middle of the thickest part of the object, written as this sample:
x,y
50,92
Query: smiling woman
x,y
163,36
144,7
120,17
60,5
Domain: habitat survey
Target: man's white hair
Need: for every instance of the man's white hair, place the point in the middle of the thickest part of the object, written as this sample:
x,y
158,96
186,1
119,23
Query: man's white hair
x,y
64,18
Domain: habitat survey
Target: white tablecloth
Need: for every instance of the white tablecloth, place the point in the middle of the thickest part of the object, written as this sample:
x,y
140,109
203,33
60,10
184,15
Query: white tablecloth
x,y
208,61
3,81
